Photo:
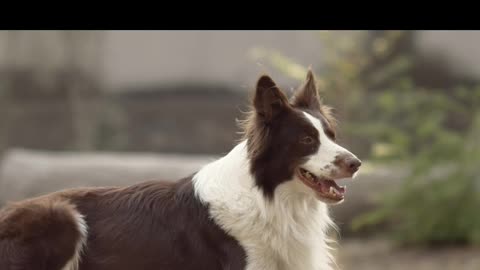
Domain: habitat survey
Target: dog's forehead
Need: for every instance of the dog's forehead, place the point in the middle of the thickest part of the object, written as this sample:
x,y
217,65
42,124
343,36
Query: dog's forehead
x,y
316,118
314,121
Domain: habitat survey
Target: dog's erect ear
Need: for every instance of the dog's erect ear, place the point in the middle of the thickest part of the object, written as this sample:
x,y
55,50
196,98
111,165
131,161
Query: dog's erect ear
x,y
307,95
269,100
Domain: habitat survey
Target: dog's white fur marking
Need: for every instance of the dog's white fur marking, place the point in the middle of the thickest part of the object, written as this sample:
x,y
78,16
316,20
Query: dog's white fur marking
x,y
74,262
288,232
327,152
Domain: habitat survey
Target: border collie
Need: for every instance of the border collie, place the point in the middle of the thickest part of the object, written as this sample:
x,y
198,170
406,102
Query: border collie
x,y
263,206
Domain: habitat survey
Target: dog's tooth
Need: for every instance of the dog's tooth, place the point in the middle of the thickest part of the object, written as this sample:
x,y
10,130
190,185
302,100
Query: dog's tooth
x,y
331,190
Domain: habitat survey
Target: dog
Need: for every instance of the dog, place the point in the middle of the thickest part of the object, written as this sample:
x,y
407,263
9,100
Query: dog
x,y
263,206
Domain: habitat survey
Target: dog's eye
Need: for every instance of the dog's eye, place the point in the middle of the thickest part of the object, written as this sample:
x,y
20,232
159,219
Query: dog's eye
x,y
307,140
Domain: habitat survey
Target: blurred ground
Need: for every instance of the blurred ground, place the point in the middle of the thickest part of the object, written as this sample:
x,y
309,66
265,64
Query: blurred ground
x,y
379,254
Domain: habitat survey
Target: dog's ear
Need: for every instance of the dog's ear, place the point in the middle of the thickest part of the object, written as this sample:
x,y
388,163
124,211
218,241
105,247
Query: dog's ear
x,y
307,95
269,100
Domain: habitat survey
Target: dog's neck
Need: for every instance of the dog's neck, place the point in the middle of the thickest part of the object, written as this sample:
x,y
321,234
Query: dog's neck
x,y
289,220
226,178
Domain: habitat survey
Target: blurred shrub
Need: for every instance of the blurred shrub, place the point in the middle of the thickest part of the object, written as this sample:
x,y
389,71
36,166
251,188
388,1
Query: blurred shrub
x,y
367,76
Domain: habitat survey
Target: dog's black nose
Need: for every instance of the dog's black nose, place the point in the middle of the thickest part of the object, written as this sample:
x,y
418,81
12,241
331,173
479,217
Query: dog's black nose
x,y
353,164
348,163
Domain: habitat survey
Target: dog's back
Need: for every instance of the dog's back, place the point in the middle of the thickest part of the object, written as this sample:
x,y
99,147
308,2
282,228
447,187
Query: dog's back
x,y
152,225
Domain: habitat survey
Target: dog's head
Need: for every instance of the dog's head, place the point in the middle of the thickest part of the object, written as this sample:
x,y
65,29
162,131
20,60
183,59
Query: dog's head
x,y
292,142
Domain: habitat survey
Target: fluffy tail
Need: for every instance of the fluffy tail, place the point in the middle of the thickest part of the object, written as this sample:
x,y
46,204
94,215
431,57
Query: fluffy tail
x,y
44,235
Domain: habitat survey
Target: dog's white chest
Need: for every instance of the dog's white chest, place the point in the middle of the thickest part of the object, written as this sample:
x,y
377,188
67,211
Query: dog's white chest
x,y
286,233
276,238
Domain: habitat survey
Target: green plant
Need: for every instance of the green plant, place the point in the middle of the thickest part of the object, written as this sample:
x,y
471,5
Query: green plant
x,y
439,202
391,117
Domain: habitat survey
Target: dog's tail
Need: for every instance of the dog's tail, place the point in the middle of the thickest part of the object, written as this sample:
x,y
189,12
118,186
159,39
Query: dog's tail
x,y
41,234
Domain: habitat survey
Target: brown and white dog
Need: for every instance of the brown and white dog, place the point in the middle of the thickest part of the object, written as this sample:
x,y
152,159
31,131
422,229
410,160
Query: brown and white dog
x,y
263,206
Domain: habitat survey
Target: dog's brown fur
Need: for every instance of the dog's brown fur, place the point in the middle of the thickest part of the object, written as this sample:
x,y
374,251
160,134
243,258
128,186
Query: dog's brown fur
x,y
148,226
38,234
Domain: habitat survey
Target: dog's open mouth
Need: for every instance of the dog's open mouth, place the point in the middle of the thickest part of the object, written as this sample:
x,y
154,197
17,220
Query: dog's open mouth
x,y
324,187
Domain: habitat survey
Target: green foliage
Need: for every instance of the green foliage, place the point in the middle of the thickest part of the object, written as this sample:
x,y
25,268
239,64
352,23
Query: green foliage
x,y
390,117
439,202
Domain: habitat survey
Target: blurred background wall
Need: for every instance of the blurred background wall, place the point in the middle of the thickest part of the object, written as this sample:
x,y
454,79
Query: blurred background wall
x,y
151,90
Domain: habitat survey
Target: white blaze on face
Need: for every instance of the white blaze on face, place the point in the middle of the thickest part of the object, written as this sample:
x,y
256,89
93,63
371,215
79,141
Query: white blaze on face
x,y
323,160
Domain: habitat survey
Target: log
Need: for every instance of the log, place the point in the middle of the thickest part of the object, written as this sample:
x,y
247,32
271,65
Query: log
x,y
27,173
